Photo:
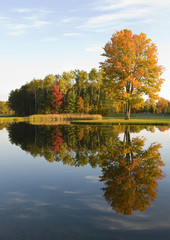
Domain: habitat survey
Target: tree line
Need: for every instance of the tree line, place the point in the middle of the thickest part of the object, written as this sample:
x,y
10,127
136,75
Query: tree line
x,y
72,92
80,92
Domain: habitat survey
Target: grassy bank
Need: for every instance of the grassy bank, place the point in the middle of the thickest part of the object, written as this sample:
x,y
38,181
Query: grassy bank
x,y
136,119
60,118
87,119
51,118
124,122
140,116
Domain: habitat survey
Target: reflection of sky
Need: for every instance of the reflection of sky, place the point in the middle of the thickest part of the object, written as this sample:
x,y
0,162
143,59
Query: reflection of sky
x,y
40,200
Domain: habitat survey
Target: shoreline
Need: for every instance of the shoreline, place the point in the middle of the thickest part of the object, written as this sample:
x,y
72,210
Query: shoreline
x,y
83,120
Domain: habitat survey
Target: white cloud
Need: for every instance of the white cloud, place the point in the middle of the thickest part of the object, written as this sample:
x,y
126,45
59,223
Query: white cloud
x,y
71,34
71,192
3,18
50,39
20,26
114,5
67,20
104,21
108,5
18,29
117,16
16,33
75,10
30,10
40,23
49,187
93,179
23,10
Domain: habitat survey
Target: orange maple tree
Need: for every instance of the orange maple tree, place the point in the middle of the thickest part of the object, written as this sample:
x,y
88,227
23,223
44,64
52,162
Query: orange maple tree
x,y
131,69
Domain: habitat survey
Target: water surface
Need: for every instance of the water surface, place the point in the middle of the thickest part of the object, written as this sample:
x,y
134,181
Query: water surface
x,y
71,182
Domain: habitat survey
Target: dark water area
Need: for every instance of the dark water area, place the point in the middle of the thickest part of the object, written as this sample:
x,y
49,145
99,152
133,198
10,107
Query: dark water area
x,y
84,182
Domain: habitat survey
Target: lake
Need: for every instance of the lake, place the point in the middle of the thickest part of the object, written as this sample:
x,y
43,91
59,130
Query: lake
x,y
84,182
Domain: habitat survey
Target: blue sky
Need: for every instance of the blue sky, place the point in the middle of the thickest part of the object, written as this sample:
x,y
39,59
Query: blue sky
x,y
44,37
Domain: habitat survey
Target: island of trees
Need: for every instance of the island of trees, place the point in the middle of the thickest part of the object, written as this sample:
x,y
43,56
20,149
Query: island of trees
x,y
129,72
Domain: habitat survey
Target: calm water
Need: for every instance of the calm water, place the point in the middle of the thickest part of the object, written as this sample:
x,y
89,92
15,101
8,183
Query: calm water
x,y
67,182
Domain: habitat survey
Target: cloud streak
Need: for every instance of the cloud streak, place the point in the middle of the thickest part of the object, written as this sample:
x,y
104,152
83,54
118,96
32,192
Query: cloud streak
x,y
18,29
49,40
71,34
109,5
111,19
107,18
31,10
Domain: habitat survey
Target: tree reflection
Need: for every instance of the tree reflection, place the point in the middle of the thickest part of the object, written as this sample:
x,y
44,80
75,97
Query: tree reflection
x,y
130,171
131,174
3,125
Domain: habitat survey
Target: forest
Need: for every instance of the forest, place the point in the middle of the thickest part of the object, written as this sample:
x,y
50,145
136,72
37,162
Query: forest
x,y
75,91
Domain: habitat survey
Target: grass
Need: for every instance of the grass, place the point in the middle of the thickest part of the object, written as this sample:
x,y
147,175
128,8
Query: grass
x,y
136,119
59,118
140,116
49,119
95,119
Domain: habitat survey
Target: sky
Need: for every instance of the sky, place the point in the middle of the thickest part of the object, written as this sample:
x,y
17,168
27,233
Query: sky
x,y
41,37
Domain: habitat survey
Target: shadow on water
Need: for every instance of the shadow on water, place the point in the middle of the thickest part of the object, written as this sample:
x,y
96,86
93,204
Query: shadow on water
x,y
130,171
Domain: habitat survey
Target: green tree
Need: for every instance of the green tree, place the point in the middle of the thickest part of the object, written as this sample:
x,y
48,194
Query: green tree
x,y
71,101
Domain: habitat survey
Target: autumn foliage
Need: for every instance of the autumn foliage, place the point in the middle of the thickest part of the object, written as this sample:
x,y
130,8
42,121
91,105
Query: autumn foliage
x,y
57,141
131,69
162,105
57,98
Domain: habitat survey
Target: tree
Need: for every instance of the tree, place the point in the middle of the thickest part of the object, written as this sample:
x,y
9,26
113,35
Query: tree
x,y
169,107
57,98
92,79
162,105
71,101
80,105
4,108
131,69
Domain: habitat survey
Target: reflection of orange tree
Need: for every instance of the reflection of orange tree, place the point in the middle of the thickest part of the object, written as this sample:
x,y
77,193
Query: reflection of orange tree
x,y
163,128
131,173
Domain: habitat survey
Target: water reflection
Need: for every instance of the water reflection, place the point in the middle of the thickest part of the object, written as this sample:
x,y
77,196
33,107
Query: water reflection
x,y
130,171
131,174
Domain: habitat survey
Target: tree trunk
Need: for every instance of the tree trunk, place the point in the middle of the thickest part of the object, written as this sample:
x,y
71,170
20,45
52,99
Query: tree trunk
x,y
127,111
91,97
98,98
35,103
